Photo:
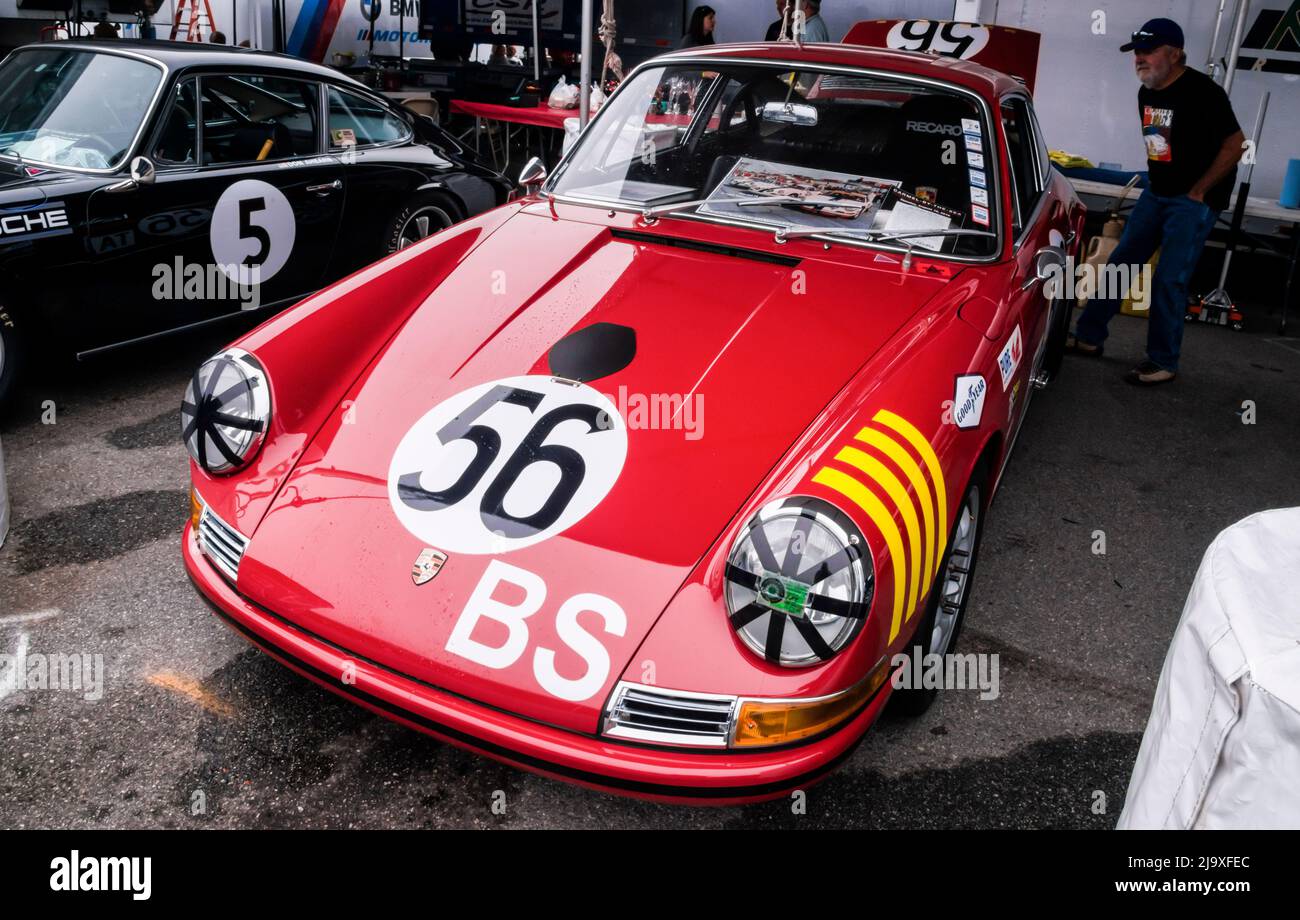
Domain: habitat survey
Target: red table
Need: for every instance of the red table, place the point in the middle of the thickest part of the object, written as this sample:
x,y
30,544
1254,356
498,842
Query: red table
x,y
539,116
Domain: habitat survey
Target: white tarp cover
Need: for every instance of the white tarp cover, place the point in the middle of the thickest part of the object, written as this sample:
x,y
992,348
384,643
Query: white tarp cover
x,y
1222,747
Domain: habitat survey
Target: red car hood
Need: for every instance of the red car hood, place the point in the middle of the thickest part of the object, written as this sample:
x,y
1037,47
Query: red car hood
x,y
755,347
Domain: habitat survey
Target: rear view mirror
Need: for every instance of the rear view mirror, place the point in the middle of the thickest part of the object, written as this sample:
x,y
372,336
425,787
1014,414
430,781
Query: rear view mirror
x,y
791,113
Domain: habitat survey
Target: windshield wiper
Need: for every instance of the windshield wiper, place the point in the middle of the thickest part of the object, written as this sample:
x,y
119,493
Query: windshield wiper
x,y
876,236
651,214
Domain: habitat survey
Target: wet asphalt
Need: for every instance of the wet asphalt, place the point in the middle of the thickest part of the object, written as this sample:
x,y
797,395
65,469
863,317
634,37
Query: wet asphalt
x,y
196,729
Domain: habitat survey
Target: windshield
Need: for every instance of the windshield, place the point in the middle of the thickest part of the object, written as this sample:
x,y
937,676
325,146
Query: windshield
x,y
73,108
803,149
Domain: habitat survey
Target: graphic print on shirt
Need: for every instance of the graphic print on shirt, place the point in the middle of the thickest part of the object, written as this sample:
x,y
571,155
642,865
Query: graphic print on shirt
x,y
1157,128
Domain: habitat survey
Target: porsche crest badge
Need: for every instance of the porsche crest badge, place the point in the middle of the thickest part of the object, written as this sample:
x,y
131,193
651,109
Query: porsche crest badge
x,y
428,564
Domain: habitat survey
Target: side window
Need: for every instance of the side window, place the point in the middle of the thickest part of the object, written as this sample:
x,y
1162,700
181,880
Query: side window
x,y
1021,145
355,121
177,142
249,118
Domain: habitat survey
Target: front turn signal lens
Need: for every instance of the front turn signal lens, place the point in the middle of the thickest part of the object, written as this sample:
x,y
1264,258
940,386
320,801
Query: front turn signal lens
x,y
762,723
196,509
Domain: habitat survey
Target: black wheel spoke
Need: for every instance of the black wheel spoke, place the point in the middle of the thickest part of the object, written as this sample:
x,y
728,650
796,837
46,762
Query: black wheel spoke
x,y
820,571
775,632
234,421
832,605
799,541
738,575
819,646
746,615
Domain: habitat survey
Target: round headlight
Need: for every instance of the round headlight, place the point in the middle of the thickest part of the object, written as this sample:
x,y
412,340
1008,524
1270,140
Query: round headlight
x,y
226,411
799,582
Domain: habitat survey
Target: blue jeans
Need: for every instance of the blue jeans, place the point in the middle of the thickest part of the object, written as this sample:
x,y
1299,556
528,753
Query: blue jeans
x,y
1178,227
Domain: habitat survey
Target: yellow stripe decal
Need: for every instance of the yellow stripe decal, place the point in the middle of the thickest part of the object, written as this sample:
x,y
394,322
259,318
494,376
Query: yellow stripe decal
x,y
903,460
922,447
898,495
861,496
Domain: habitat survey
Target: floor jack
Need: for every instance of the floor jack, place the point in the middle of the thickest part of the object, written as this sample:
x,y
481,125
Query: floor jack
x,y
1217,307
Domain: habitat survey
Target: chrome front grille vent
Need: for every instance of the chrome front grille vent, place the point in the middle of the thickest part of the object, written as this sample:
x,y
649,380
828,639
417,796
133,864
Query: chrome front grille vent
x,y
641,713
221,543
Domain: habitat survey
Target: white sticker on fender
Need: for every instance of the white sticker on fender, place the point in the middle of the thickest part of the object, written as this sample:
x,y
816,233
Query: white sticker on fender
x,y
252,227
1009,360
506,464
968,400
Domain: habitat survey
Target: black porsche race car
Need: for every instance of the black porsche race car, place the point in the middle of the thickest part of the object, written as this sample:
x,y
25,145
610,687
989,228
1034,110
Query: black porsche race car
x,y
147,187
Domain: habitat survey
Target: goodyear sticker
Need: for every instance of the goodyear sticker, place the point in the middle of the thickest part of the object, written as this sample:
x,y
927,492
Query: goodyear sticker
x,y
891,471
974,142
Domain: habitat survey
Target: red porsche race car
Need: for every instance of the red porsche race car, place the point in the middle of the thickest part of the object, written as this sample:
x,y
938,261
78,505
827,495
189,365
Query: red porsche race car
x,y
644,479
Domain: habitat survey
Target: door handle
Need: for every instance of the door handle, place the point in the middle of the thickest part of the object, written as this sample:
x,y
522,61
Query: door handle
x,y
326,188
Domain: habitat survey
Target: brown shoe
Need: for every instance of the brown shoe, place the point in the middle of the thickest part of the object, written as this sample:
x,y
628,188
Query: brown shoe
x,y
1149,374
1086,349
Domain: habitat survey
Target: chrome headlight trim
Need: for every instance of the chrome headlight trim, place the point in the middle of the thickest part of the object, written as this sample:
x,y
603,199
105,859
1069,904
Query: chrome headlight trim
x,y
226,411
799,582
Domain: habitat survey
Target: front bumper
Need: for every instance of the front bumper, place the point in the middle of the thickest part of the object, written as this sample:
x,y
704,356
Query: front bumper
x,y
664,774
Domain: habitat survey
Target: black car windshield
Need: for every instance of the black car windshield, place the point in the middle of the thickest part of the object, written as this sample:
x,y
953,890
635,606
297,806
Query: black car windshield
x,y
854,154
74,108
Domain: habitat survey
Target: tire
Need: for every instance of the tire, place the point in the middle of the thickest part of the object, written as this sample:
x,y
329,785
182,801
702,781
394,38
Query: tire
x,y
423,215
1057,333
941,610
10,357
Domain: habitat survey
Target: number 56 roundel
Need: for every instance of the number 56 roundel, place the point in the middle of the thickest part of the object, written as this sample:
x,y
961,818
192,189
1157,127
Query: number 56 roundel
x,y
506,464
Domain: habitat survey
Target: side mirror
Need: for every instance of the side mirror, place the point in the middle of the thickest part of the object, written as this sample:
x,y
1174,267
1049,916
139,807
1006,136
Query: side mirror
x,y
532,175
142,173
1049,265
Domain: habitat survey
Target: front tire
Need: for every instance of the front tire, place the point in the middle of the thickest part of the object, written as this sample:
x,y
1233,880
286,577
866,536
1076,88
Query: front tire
x,y
1057,333
949,595
10,356
424,215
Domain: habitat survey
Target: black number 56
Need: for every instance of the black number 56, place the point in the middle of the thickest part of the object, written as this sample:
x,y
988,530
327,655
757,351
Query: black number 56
x,y
533,449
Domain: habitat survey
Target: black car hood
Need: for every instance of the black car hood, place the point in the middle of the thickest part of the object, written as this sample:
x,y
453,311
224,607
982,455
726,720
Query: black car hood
x,y
27,183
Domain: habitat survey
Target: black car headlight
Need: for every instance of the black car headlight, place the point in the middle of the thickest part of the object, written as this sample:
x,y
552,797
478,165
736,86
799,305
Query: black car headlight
x,y
226,411
799,582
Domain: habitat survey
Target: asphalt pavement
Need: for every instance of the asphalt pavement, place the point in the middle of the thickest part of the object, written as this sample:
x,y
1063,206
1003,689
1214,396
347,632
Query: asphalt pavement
x,y
193,728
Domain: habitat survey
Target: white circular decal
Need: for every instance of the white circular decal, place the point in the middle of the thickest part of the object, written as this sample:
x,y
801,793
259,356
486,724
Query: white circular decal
x,y
252,231
506,464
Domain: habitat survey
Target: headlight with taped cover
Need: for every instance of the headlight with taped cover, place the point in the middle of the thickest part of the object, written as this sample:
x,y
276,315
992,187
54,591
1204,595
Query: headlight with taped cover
x,y
799,582
226,411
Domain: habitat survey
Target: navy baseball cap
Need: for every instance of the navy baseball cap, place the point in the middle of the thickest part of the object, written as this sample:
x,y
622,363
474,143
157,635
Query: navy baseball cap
x,y
1153,34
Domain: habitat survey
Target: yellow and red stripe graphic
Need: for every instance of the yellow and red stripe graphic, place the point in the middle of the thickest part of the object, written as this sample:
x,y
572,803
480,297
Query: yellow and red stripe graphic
x,y
903,490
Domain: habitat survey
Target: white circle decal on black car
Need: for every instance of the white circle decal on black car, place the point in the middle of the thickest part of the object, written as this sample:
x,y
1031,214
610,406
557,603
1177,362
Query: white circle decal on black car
x,y
253,228
506,464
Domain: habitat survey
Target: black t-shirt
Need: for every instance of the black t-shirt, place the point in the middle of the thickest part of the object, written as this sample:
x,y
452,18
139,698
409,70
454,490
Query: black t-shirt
x,y
1184,126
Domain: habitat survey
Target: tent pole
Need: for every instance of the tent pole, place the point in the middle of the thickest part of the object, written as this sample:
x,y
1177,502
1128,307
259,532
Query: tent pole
x,y
584,91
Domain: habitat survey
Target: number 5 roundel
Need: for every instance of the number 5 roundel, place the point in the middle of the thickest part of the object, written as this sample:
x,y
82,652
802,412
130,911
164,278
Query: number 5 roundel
x,y
506,464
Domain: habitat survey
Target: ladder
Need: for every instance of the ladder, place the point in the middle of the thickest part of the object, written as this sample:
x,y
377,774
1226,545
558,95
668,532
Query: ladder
x,y
193,23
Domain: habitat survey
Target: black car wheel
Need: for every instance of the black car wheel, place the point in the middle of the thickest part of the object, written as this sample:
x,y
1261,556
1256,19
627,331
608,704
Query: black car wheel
x,y
422,216
9,355
1062,311
949,595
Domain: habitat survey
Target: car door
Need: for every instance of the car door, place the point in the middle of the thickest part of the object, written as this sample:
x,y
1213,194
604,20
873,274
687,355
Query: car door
x,y
242,212
1038,220
381,170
